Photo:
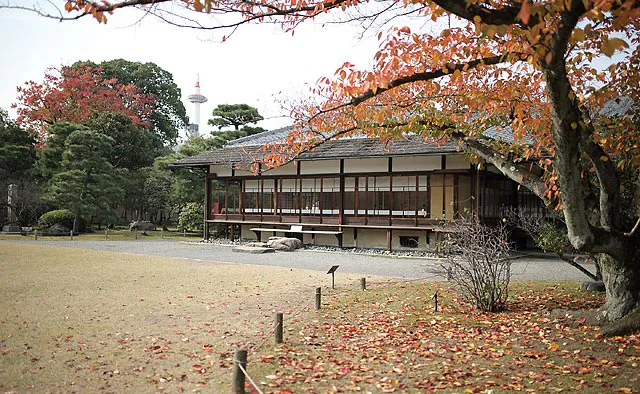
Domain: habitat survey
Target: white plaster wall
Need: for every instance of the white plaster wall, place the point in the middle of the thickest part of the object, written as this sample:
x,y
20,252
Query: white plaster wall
x,y
372,238
252,184
220,170
246,234
289,184
417,163
287,169
457,162
366,165
396,234
320,167
244,173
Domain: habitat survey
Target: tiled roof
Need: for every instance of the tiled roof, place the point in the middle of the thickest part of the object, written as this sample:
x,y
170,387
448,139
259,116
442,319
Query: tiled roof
x,y
259,139
337,149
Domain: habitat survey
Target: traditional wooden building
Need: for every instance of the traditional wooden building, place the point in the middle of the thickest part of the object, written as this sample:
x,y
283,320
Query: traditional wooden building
x,y
353,192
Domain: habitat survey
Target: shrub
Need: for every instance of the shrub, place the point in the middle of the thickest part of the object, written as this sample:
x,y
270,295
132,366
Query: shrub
x,y
191,217
60,216
480,263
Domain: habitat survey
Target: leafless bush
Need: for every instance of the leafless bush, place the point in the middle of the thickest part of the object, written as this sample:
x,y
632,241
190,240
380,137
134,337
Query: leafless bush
x,y
480,263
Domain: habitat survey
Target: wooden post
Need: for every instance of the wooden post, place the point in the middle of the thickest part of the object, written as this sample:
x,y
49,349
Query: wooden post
x,y
435,301
278,332
238,378
162,233
363,283
35,233
135,232
106,234
71,234
318,297
184,232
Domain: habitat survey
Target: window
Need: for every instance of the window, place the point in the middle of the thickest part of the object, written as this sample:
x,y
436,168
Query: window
x,y
409,241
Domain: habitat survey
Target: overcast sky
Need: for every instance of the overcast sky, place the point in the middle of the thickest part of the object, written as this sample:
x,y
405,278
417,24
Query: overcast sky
x,y
256,66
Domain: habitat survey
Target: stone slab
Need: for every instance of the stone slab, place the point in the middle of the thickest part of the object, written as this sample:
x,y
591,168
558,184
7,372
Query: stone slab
x,y
252,250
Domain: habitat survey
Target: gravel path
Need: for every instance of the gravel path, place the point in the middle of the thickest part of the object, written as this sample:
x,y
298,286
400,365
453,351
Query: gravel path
x,y
525,267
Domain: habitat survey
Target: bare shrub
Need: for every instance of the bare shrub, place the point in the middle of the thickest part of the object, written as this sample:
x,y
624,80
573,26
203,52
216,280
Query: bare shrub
x,y
479,263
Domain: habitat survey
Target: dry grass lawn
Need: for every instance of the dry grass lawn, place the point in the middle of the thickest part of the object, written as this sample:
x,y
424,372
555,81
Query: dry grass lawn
x,y
79,321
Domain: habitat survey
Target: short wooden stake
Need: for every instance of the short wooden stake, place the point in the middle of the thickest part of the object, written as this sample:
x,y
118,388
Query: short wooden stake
x,y
35,233
106,234
240,359
435,301
184,232
71,234
363,283
318,297
278,331
161,233
136,233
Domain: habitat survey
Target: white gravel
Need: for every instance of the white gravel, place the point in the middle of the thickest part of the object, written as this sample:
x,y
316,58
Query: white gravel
x,y
365,262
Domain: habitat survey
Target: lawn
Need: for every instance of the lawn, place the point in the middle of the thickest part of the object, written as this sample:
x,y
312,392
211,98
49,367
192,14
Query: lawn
x,y
111,235
84,321
390,339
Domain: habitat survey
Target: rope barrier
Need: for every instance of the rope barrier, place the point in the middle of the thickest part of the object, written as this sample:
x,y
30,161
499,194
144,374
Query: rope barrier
x,y
255,386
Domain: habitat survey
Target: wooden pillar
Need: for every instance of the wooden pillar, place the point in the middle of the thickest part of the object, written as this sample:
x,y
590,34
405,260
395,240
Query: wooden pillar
x,y
280,200
366,199
456,195
261,199
390,198
472,190
242,186
226,199
429,215
342,185
389,240
299,196
355,196
390,171
444,196
321,202
207,204
416,198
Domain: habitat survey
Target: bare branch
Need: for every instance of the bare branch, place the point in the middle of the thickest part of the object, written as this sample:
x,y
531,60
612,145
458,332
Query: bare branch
x,y
507,15
424,76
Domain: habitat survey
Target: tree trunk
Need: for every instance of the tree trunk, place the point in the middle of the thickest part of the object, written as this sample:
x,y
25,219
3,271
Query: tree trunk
x,y
621,312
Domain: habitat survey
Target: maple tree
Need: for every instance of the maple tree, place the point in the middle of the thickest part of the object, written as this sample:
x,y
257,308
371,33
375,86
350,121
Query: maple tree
x,y
534,68
74,94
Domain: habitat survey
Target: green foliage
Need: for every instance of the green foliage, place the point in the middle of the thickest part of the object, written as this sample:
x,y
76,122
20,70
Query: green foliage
x,y
50,158
550,237
198,144
235,115
17,152
62,217
169,115
134,146
190,218
88,184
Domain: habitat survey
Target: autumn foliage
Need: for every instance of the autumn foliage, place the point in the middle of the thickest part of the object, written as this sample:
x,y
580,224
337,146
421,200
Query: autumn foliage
x,y
74,94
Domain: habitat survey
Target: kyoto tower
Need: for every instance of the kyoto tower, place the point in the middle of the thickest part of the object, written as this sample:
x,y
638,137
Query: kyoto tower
x,y
196,99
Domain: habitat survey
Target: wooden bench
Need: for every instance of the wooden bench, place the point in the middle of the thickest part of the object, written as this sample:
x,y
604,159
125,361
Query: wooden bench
x,y
296,229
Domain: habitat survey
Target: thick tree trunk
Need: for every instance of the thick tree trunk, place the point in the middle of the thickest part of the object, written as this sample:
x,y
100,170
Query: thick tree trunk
x,y
621,312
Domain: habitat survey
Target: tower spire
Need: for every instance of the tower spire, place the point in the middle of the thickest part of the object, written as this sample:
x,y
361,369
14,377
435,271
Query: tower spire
x,y
197,98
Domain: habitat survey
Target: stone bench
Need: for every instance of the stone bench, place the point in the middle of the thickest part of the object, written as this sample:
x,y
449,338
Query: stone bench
x,y
296,229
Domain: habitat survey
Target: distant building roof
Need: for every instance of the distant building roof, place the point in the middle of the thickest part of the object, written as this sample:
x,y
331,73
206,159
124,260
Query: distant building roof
x,y
259,139
244,151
